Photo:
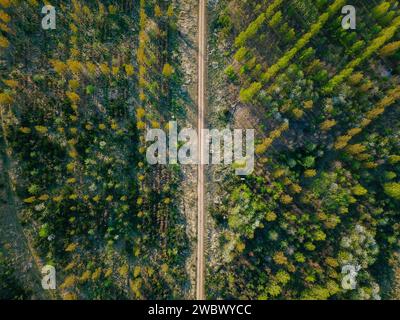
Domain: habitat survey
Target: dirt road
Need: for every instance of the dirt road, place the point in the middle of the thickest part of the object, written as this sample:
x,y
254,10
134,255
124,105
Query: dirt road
x,y
202,57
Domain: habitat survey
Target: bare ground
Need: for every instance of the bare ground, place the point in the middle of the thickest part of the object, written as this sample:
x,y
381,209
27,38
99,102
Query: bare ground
x,y
187,26
25,262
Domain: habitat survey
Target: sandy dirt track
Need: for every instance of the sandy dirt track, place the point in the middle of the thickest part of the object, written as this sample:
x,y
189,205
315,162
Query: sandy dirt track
x,y
202,63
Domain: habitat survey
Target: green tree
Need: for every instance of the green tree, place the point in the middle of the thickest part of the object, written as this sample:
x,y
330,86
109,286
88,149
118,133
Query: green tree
x,y
393,190
247,95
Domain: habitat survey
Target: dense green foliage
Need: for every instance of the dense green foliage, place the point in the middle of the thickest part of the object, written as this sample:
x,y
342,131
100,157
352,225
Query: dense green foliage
x,y
325,192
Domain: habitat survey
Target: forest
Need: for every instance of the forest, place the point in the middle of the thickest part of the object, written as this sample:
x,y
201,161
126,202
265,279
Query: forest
x,y
318,219
75,104
325,194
